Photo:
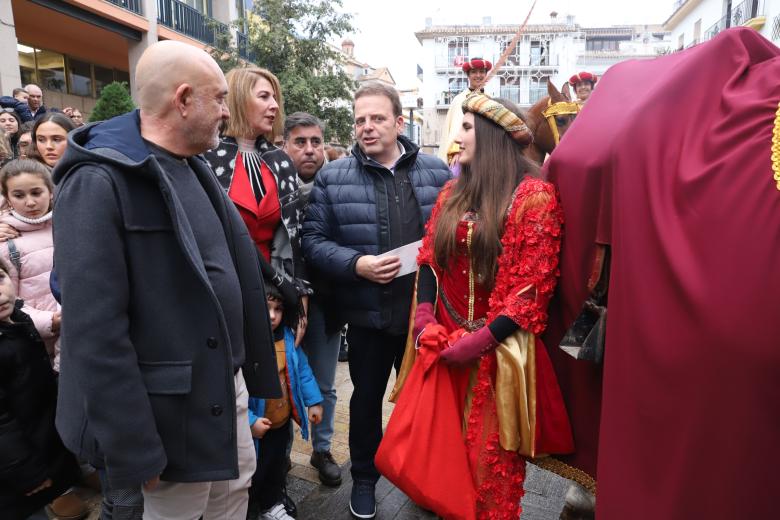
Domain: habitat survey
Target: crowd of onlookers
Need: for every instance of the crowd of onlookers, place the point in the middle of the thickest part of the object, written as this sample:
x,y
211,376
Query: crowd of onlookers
x,y
33,139
22,115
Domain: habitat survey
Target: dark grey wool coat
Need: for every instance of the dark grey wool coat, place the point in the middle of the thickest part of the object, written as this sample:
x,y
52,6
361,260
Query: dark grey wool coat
x,y
146,382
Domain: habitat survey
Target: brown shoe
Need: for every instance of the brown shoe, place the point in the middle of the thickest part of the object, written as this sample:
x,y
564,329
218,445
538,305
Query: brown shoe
x,y
68,507
92,481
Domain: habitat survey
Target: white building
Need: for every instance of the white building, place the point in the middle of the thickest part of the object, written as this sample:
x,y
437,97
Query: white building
x,y
545,52
696,21
606,46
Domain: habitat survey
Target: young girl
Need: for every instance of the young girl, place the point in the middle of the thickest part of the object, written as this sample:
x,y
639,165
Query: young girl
x,y
10,123
50,137
28,190
35,467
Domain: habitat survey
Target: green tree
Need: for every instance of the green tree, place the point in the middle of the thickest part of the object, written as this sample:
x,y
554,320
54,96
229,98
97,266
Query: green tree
x,y
289,38
114,100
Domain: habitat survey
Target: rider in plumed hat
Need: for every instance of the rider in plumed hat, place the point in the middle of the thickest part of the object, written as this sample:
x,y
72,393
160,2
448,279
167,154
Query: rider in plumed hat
x,y
476,69
583,83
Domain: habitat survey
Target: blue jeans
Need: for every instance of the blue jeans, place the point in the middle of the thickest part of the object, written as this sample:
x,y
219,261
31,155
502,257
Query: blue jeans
x,y
322,349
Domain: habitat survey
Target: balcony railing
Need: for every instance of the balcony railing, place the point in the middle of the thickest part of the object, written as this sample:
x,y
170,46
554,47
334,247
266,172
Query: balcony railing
x,y
242,42
739,14
716,28
513,61
745,11
184,19
130,5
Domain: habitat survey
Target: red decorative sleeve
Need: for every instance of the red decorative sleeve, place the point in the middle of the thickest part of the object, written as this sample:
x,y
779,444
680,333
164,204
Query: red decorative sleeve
x,y
528,266
426,255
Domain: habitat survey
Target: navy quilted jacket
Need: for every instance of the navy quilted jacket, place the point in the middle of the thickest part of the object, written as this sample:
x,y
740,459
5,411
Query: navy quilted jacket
x,y
348,217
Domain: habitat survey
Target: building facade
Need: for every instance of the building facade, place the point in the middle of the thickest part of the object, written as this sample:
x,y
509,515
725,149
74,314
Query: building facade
x,y
606,46
73,48
544,52
696,21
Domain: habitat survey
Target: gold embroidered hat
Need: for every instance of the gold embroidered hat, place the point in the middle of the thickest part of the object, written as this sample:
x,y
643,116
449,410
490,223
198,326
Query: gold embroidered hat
x,y
500,115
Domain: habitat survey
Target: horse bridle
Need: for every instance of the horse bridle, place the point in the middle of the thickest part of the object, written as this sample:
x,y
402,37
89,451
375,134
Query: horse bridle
x,y
561,108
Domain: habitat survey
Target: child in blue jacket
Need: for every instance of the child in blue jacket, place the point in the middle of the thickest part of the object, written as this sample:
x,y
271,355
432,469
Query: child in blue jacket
x,y
269,419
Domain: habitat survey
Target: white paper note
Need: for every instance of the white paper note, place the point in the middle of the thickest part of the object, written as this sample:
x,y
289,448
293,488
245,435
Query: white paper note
x,y
408,256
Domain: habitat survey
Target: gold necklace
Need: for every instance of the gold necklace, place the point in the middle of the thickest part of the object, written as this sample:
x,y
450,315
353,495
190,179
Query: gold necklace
x,y
776,148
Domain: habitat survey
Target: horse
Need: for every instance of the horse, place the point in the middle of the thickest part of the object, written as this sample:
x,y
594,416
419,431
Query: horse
x,y
548,119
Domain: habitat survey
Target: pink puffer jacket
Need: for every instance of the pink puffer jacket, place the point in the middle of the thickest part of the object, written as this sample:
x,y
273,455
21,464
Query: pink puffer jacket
x,y
36,255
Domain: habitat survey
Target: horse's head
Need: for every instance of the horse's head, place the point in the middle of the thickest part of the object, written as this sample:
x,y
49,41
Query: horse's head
x,y
549,119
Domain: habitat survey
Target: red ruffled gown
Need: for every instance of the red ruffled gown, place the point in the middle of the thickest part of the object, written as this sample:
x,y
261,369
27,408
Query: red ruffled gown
x,y
526,278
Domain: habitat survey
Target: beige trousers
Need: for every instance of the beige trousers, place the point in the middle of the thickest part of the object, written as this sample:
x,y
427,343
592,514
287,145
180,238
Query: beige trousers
x,y
222,500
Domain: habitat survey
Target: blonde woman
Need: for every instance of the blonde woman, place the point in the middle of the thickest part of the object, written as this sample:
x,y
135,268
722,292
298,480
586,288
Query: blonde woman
x,y
262,182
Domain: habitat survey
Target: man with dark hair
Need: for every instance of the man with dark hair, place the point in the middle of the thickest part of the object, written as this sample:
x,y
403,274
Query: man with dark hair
x,y
303,142
360,207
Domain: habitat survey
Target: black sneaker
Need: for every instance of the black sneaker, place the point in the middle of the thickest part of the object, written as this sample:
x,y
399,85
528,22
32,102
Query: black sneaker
x,y
362,503
288,504
343,349
329,471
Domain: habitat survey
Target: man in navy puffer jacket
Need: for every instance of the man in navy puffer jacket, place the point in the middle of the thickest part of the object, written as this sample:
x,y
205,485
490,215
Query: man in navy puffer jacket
x,y
361,206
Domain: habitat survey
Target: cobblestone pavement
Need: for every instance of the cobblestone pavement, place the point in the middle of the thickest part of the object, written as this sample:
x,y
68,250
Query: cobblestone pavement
x,y
543,500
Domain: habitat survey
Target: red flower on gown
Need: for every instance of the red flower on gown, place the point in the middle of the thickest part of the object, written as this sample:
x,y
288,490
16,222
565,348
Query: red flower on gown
x,y
526,278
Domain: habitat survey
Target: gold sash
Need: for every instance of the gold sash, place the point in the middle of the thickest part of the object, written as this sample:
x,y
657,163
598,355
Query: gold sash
x,y
516,393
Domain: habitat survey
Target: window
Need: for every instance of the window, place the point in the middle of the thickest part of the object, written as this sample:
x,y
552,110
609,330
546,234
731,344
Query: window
x,y
54,71
458,85
79,77
51,70
540,53
681,42
697,31
202,6
458,52
602,45
538,89
27,64
103,77
122,76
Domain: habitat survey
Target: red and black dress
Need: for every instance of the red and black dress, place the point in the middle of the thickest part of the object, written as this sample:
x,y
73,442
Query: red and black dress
x,y
524,283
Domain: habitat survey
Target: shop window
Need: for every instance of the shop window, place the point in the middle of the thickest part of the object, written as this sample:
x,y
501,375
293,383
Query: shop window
x,y
122,77
51,70
79,77
27,64
103,77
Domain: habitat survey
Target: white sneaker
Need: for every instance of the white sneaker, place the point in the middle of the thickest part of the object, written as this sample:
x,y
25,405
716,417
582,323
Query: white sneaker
x,y
278,512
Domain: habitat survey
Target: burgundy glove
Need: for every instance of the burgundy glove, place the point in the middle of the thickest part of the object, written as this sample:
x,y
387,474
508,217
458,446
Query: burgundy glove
x,y
469,347
424,316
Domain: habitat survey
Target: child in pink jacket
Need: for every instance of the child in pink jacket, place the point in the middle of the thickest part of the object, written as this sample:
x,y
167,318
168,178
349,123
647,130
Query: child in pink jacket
x,y
27,187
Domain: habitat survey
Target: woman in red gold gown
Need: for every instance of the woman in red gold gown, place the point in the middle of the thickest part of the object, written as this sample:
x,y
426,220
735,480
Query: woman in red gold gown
x,y
488,267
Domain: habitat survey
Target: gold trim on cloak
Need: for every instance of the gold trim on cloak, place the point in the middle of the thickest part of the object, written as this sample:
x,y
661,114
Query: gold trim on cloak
x,y
776,148
515,390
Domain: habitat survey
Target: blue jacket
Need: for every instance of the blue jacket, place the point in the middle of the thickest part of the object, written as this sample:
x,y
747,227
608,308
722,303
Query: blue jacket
x,y
21,108
304,389
349,215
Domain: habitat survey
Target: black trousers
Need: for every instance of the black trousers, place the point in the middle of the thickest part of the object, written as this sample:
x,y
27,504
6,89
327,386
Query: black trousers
x,y
271,473
372,354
